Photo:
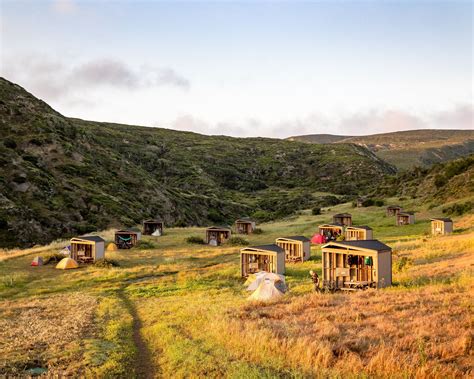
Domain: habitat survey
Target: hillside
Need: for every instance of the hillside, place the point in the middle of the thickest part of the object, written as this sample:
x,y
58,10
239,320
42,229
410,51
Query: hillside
x,y
318,138
411,148
64,176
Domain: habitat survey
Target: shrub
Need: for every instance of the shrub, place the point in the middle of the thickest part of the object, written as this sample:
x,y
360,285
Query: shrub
x,y
238,241
316,211
196,240
258,231
459,209
106,263
379,203
143,244
53,258
11,144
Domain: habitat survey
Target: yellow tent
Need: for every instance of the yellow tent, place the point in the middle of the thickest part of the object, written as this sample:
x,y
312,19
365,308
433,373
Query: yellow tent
x,y
67,263
112,247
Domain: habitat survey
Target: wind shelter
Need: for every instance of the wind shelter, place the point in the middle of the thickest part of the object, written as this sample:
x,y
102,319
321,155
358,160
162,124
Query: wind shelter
x,y
245,225
67,264
441,226
351,265
405,218
127,238
87,249
37,261
216,235
356,233
153,227
393,210
342,218
269,258
297,248
331,231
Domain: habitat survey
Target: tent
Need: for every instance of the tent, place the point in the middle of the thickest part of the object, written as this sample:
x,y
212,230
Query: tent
x,y
156,233
66,250
112,247
318,239
66,264
255,280
37,261
266,291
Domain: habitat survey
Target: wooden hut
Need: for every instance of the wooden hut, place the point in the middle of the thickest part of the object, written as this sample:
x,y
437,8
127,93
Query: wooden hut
x,y
87,249
245,225
215,235
342,218
441,226
331,231
297,248
127,238
151,226
360,202
356,233
269,258
405,218
393,210
350,265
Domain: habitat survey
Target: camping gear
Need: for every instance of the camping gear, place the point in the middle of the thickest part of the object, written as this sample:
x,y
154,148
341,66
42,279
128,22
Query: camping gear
x,y
266,291
318,239
156,233
112,247
368,261
66,264
255,280
37,261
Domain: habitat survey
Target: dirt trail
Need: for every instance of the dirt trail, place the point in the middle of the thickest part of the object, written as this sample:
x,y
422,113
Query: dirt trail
x,y
143,363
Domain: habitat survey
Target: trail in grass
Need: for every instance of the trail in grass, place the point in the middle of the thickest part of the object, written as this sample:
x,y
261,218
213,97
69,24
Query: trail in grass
x,y
143,363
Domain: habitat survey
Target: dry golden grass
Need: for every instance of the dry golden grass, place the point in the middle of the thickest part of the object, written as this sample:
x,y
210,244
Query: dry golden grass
x,y
45,332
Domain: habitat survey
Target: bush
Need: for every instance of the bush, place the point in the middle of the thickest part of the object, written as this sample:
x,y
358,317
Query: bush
x,y
258,231
143,244
53,258
459,209
238,241
379,203
196,240
11,144
316,211
106,263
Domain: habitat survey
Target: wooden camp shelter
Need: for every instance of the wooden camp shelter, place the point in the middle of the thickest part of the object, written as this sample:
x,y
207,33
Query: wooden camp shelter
x,y
360,202
342,218
405,218
217,234
151,226
269,258
393,210
331,231
127,238
87,249
350,265
245,225
297,248
441,226
356,233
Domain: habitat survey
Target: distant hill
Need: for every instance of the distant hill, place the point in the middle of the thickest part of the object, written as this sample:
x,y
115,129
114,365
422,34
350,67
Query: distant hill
x,y
411,148
318,138
62,176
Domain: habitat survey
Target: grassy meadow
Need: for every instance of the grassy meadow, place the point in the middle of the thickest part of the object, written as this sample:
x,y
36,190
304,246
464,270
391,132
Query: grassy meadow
x,y
172,309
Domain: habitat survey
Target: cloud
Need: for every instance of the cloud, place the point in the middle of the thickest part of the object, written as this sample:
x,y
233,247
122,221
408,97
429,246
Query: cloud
x,y
53,79
64,6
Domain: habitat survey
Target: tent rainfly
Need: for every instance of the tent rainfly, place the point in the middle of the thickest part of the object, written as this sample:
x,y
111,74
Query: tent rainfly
x,y
342,218
297,248
37,261
350,265
356,233
269,258
405,218
441,226
216,235
153,227
266,291
67,264
126,239
87,249
331,231
393,210
245,225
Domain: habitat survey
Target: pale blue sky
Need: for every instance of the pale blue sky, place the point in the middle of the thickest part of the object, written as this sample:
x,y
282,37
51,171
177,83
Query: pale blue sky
x,y
247,68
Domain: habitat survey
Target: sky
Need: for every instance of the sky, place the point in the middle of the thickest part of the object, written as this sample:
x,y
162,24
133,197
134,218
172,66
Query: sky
x,y
247,68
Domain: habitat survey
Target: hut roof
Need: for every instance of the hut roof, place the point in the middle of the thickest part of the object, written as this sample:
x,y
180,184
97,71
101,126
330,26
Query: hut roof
x,y
245,220
359,227
271,247
374,245
220,227
90,238
406,213
153,221
331,225
296,238
342,215
444,219
128,231
394,207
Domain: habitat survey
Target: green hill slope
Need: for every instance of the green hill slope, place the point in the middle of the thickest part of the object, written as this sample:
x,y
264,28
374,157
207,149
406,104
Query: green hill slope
x,y
64,176
411,148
